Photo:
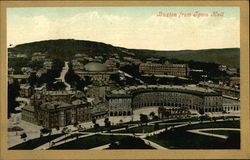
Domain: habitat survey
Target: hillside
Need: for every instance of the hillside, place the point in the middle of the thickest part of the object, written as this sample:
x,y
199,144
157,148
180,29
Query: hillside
x,y
227,56
67,48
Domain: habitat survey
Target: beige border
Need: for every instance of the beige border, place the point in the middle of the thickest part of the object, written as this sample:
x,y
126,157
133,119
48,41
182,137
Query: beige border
x,y
243,153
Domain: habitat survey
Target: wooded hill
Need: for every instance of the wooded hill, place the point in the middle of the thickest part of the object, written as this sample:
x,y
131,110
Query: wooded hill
x,y
67,48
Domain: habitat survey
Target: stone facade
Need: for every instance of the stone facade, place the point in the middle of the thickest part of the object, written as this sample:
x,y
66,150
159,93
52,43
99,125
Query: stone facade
x,y
173,112
179,70
119,105
28,114
230,104
195,98
58,114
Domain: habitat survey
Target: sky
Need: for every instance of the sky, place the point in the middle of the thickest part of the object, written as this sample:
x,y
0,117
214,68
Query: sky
x,y
130,27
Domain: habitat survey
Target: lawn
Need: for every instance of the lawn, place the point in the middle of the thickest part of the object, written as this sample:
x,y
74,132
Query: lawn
x,y
178,138
71,136
222,132
220,124
103,128
89,142
34,143
143,129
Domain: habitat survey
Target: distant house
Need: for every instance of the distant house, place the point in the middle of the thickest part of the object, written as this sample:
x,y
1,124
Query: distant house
x,y
20,77
47,64
11,70
77,66
232,81
21,55
179,70
38,56
231,71
26,70
40,72
25,90
222,68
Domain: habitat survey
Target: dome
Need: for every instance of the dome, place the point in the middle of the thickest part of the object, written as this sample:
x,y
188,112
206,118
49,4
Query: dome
x,y
95,67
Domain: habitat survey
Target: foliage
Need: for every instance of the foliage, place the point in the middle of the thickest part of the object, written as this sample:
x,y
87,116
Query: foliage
x,y
13,93
143,118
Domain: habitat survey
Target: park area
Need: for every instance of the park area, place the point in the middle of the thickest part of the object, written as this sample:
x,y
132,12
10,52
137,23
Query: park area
x,y
182,138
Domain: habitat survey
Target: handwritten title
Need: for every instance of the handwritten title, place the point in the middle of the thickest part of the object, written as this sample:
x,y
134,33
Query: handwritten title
x,y
196,14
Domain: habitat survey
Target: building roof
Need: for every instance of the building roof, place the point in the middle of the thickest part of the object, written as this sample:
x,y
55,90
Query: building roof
x,y
19,76
132,90
54,105
95,67
29,108
24,86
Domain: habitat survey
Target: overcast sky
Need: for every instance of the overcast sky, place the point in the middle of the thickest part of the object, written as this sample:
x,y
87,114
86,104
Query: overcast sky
x,y
131,27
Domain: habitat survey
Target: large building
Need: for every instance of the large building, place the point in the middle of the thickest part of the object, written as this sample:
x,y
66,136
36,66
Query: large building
x,y
191,97
98,72
52,109
119,103
179,70
58,114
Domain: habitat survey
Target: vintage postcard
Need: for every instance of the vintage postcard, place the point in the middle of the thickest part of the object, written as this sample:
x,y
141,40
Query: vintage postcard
x,y
124,80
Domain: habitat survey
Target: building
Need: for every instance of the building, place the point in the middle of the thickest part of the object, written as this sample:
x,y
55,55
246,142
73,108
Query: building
x,y
26,70
232,81
11,70
21,78
195,98
48,64
25,90
119,103
98,72
230,104
231,71
38,56
28,114
99,110
173,112
41,71
77,66
49,96
179,70
222,68
59,114
225,90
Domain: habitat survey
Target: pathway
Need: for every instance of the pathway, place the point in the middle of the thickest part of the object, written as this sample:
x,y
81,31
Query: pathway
x,y
199,131
62,76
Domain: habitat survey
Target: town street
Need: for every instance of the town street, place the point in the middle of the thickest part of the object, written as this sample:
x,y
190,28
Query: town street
x,y
62,76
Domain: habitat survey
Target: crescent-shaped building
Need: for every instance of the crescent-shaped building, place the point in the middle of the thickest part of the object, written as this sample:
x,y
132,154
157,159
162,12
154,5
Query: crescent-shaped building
x,y
123,102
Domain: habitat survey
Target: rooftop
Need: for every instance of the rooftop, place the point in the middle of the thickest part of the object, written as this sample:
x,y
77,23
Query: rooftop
x,y
54,105
95,67
29,108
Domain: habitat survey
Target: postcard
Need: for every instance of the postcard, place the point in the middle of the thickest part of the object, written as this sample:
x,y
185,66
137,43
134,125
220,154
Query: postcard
x,y
124,80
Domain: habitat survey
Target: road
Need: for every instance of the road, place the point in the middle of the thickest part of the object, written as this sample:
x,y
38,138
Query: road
x,y
62,76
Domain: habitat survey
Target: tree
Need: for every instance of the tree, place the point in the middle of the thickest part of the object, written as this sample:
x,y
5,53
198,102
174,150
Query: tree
x,y
152,114
13,93
94,121
107,122
156,126
144,118
96,126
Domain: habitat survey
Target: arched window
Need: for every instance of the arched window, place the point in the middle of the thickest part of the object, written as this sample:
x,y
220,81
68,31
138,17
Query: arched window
x,y
129,113
115,113
111,113
124,113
